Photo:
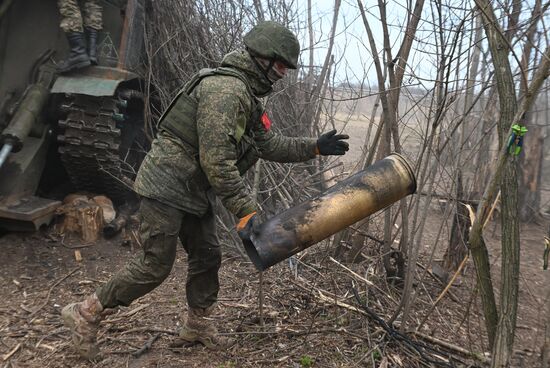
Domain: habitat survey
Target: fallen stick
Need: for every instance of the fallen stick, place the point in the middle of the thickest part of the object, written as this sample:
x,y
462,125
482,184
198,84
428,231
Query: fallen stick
x,y
295,333
368,282
340,304
146,347
449,284
126,314
277,360
50,291
9,355
144,329
451,294
448,345
78,256
352,272
261,298
134,311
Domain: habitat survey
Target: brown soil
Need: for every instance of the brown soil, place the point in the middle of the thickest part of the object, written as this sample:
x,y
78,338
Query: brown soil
x,y
300,328
305,322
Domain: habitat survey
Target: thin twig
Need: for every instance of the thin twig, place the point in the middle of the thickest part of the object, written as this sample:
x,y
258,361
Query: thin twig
x,y
261,298
449,284
368,282
146,329
50,291
422,349
448,345
451,294
13,351
146,347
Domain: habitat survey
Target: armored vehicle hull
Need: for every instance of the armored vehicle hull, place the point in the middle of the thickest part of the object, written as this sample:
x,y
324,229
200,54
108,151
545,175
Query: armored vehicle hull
x,y
58,132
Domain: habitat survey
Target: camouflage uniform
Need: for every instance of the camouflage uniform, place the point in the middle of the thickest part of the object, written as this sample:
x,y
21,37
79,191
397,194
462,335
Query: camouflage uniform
x,y
178,182
73,20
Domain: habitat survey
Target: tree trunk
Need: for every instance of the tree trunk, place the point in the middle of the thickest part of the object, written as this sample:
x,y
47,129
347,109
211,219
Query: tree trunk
x,y
460,231
503,337
506,174
545,353
388,117
502,349
531,159
488,147
531,172
315,104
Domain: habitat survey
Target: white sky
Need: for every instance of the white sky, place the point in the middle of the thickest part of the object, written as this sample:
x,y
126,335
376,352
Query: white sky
x,y
351,44
351,39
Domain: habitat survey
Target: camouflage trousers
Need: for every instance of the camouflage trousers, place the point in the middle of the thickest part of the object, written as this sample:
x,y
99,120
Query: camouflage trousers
x,y
160,227
73,20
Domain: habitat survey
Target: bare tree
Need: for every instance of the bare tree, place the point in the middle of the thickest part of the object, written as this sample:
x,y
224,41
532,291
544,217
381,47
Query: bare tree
x,y
501,327
452,116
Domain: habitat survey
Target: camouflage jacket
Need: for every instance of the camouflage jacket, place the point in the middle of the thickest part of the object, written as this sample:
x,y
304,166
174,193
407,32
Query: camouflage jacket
x,y
173,172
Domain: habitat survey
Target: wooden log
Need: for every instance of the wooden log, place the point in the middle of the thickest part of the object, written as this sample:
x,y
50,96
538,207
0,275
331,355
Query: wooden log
x,y
81,217
106,205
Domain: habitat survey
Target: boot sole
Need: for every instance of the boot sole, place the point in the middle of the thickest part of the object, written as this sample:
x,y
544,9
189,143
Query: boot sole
x,y
77,66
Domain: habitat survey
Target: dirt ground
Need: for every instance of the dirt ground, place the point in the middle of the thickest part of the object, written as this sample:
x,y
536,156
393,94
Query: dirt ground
x,y
39,275
311,317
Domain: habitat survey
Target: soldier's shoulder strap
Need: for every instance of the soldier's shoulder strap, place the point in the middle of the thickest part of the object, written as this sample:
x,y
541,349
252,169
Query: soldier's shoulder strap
x,y
207,72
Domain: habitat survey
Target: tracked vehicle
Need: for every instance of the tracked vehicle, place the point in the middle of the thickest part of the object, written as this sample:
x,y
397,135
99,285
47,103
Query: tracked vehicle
x,y
70,132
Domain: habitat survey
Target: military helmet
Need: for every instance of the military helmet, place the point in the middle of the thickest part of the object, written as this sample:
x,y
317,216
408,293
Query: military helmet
x,y
273,41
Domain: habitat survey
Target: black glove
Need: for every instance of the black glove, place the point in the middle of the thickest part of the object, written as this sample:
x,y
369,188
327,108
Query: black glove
x,y
246,226
332,144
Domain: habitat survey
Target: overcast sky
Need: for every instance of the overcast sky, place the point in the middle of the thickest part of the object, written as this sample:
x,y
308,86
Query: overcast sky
x,y
349,37
350,47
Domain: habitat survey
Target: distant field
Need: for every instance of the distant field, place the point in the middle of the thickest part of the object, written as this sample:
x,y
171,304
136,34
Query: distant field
x,y
354,118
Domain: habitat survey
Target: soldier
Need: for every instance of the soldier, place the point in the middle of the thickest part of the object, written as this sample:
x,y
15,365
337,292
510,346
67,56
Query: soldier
x,y
81,29
212,133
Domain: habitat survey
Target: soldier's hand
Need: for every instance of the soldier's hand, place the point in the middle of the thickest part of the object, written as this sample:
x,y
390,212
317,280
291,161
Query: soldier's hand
x,y
246,226
332,144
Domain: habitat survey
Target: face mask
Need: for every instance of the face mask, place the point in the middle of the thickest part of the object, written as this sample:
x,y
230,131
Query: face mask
x,y
273,70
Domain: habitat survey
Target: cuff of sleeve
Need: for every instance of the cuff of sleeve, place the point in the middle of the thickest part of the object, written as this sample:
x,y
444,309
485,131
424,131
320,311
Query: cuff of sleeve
x,y
314,149
246,210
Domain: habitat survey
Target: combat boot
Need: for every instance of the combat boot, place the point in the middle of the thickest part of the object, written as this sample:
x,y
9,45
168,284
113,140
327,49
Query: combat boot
x,y
83,320
78,58
91,43
197,328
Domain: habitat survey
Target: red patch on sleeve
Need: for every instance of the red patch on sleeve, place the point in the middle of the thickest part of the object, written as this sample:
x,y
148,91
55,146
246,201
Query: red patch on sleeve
x,y
266,122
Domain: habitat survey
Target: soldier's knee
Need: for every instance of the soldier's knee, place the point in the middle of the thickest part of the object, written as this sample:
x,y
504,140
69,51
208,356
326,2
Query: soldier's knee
x,y
159,264
215,256
207,258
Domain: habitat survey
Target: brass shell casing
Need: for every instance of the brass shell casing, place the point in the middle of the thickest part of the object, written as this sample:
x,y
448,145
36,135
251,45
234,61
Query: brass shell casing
x,y
381,184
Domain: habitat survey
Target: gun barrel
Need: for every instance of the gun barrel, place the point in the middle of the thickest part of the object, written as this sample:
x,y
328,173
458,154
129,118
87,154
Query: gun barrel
x,y
349,201
26,116
4,152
